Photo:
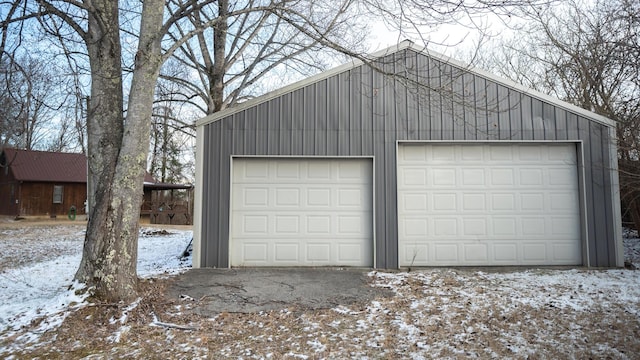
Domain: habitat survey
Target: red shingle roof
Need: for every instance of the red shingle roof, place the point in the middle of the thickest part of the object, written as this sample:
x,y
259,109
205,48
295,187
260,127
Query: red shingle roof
x,y
28,165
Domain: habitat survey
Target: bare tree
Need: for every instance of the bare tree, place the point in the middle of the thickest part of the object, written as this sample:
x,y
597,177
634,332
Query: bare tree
x,y
249,40
29,101
166,161
119,141
587,53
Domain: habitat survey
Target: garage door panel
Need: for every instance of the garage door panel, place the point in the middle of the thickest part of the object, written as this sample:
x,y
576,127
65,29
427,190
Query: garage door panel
x,y
564,251
252,170
287,224
442,201
417,253
256,252
535,252
445,178
254,224
412,201
287,197
286,252
532,202
502,202
472,177
413,154
473,227
351,224
474,253
319,197
471,153
563,155
501,177
505,253
254,197
287,170
301,212
514,204
318,224
563,226
530,153
352,172
445,252
474,202
504,227
414,177
350,253
318,253
445,227
499,153
562,202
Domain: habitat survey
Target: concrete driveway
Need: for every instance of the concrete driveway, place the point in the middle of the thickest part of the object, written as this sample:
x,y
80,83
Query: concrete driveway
x,y
261,289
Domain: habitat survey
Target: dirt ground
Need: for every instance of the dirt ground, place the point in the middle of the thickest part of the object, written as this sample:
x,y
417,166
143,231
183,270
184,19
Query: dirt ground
x,y
450,327
429,313
9,222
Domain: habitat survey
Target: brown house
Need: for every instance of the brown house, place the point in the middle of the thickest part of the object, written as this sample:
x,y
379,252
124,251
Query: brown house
x,y
36,183
40,183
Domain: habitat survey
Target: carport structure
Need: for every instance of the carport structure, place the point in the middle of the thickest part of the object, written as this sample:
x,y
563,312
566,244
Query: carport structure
x,y
413,159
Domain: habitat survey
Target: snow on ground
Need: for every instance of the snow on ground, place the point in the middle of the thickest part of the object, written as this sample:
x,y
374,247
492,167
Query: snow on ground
x,y
47,258
435,313
631,242
565,313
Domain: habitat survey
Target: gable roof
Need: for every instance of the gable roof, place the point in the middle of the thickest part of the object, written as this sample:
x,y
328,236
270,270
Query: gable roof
x,y
44,166
404,45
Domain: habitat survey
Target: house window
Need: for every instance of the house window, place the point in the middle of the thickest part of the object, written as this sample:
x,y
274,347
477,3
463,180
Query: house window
x,y
57,194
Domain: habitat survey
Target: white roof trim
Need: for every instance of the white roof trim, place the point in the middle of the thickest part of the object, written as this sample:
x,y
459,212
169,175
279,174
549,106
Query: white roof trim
x,y
406,44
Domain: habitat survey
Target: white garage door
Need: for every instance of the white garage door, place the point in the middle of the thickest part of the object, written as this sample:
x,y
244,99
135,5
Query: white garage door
x,y
301,212
488,204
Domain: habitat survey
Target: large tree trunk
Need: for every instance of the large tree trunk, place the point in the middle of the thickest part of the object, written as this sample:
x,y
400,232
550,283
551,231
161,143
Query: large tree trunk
x,y
219,68
118,150
104,128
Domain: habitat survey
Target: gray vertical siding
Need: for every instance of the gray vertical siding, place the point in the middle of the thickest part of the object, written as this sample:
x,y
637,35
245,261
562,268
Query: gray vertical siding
x,y
361,112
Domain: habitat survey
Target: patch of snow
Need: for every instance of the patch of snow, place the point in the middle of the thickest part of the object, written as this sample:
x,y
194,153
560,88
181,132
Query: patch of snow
x,y
341,309
297,356
37,290
461,303
46,289
161,254
125,313
632,251
444,299
115,338
316,345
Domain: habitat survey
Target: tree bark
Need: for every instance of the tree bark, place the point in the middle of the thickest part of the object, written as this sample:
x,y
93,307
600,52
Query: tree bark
x,y
219,68
119,149
104,128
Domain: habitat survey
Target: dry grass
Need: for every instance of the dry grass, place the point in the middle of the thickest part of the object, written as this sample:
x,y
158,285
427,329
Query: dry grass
x,y
25,245
435,314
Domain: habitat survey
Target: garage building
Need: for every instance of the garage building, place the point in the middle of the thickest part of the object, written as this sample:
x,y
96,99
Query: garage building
x,y
412,159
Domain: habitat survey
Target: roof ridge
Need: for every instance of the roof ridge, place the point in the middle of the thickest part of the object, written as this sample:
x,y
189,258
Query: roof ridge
x,y
404,45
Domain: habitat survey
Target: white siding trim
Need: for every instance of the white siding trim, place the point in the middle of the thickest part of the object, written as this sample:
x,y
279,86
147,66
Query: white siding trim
x,y
583,204
615,196
197,201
